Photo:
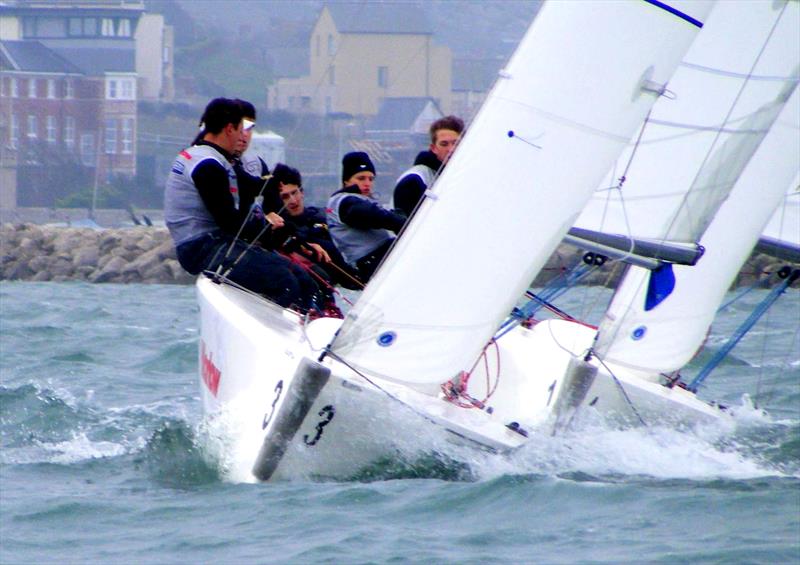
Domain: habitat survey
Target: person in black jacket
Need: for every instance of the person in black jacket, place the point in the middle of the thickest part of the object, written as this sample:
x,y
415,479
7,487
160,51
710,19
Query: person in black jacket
x,y
359,226
412,184
310,225
211,230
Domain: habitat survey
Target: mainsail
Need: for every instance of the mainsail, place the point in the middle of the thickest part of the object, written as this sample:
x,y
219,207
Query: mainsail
x,y
581,81
659,330
665,338
721,102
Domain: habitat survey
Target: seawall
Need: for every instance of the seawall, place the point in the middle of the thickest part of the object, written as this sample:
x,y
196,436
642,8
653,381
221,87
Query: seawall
x,y
32,252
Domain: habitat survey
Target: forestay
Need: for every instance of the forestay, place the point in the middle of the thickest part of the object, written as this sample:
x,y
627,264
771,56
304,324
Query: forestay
x,y
574,92
665,338
661,334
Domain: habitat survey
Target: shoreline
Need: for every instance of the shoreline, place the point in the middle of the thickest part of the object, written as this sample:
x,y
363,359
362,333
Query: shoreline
x,y
145,254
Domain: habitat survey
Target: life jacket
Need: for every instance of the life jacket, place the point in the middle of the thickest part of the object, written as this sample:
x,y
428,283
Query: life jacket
x,y
185,213
353,243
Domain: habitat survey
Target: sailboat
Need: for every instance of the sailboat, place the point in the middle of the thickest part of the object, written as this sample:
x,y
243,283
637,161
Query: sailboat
x,y
326,397
737,157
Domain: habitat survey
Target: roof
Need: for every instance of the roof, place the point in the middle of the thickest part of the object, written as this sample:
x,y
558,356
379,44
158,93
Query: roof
x,y
32,56
86,8
384,17
96,61
400,114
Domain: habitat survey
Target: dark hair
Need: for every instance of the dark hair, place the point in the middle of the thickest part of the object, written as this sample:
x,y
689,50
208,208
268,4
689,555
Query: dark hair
x,y
248,110
452,123
219,113
284,174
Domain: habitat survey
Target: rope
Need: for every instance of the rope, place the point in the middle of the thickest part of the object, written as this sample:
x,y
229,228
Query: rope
x,y
456,389
622,390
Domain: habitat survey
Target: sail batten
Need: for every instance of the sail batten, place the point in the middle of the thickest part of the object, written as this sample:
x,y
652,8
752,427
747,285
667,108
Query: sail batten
x,y
504,202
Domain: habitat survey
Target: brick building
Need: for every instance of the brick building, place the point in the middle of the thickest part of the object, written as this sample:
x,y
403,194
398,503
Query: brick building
x,y
68,90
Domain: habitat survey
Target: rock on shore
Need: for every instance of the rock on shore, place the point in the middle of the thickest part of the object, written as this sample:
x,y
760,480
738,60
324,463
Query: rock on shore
x,y
33,252
124,255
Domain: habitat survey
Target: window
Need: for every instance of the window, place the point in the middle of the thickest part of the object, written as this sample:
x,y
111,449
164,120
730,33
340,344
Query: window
x,y
4,87
31,88
89,26
124,27
291,102
305,102
75,27
14,133
87,149
14,87
127,90
165,55
32,127
111,136
331,75
51,88
328,105
107,27
69,131
127,135
383,77
51,27
120,89
331,45
28,27
69,89
51,129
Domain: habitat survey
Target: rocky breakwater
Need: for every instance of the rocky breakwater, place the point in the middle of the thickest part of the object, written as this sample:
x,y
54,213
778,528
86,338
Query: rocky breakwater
x,y
123,255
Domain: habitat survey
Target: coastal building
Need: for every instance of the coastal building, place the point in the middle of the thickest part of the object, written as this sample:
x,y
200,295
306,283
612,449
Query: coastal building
x,y
360,56
69,84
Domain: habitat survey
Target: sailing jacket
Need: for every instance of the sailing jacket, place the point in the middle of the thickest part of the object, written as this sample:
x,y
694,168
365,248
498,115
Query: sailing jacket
x,y
358,225
201,194
311,226
411,185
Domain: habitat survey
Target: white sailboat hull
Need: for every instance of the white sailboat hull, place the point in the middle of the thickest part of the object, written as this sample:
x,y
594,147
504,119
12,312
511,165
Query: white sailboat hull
x,y
273,419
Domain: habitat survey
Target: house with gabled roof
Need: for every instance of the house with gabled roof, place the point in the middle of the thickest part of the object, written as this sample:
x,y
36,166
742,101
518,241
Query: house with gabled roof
x,y
361,54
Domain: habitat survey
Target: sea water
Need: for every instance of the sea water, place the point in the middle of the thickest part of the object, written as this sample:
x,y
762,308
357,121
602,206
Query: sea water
x,y
101,459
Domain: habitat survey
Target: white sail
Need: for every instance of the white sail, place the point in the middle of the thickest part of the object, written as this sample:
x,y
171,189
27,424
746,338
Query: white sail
x,y
781,237
723,98
666,337
572,95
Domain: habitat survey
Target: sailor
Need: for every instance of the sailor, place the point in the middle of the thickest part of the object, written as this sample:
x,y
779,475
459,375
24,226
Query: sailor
x,y
411,185
309,224
359,226
210,230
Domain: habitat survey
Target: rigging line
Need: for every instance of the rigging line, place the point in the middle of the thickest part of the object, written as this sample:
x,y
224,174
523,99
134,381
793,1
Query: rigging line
x,y
739,296
784,366
250,244
247,218
329,352
622,390
685,200
590,353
